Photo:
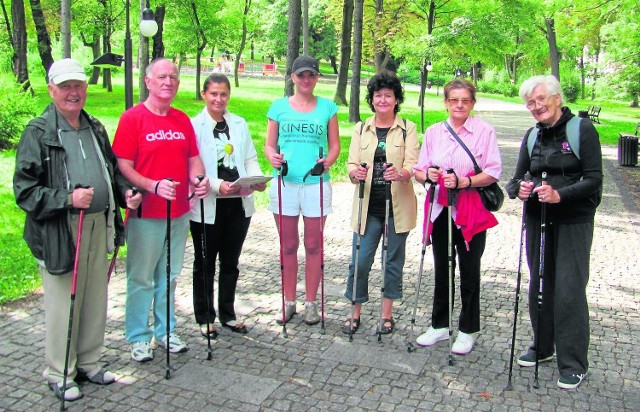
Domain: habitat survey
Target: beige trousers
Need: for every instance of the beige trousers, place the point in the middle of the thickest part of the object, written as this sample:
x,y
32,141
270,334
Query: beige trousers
x,y
90,308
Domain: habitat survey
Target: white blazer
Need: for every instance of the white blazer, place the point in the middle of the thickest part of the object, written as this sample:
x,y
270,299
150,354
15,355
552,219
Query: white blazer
x,y
244,156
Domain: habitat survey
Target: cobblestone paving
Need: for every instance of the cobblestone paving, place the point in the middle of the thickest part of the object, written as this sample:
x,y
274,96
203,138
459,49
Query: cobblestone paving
x,y
310,371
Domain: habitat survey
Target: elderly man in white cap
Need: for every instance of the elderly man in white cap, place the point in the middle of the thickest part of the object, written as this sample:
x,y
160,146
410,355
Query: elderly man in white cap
x,y
64,164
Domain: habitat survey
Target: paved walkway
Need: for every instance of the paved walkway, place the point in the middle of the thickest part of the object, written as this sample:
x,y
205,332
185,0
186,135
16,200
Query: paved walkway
x,y
309,371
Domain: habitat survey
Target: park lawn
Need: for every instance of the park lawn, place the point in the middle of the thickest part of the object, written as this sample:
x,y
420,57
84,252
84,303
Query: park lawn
x,y
18,270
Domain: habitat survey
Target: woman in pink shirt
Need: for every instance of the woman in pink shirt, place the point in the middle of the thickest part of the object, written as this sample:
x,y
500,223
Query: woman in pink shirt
x,y
441,152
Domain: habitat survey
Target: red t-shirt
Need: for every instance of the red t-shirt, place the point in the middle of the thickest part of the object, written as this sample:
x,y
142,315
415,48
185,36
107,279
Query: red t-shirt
x,y
160,147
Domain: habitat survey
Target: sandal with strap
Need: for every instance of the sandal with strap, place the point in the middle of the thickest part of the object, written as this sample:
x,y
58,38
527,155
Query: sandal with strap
x,y
100,377
213,333
388,325
72,393
237,327
346,326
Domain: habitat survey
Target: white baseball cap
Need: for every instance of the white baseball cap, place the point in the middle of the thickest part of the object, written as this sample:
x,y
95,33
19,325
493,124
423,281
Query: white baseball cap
x,y
66,69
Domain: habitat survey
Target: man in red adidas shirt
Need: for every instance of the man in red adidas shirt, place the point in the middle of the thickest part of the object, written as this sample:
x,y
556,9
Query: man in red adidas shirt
x,y
157,151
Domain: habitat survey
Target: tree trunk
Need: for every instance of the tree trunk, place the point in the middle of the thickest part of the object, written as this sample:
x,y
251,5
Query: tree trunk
x,y
202,44
596,57
340,97
332,61
95,52
554,54
44,41
65,27
305,27
243,41
158,43
6,19
19,42
354,107
424,72
293,42
106,47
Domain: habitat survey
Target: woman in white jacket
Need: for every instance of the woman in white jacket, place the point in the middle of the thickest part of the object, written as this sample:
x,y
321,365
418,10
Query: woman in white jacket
x,y
228,153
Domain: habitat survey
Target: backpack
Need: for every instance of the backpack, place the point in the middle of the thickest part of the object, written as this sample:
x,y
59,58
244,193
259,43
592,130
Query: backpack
x,y
573,136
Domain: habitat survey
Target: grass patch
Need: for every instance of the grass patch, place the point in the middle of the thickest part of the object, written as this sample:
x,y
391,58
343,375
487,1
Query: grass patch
x,y
19,274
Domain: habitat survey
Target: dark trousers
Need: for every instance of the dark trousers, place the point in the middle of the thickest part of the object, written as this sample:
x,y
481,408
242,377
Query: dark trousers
x,y
224,240
469,261
564,316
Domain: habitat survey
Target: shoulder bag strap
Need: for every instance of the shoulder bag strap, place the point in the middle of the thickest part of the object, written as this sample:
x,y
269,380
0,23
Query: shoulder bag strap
x,y
476,168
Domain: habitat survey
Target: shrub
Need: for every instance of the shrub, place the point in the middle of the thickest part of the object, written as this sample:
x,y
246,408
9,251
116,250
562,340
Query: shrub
x,y
571,90
16,109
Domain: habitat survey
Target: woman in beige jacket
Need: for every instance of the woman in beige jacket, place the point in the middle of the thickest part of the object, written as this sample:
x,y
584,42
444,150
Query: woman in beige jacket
x,y
388,145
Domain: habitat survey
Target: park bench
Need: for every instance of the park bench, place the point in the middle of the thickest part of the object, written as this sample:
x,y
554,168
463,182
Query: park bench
x,y
594,113
269,69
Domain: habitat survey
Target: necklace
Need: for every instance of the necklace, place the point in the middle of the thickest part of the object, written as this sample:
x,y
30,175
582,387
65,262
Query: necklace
x,y
223,127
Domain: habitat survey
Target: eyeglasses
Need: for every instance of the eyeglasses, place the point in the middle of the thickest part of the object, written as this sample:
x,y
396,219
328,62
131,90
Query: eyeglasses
x,y
465,102
540,100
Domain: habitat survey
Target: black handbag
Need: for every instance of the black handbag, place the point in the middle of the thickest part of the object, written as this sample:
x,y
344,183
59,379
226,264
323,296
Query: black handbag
x,y
492,196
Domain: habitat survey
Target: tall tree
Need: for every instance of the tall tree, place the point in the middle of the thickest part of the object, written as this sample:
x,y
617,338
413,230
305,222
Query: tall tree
x,y
65,25
305,27
19,43
44,41
345,53
158,42
354,107
202,43
293,41
243,41
554,53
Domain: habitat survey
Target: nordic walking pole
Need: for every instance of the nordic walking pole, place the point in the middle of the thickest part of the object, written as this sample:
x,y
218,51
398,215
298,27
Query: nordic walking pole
x,y
357,256
543,235
203,245
322,331
385,244
74,283
282,171
451,270
425,237
168,364
509,386
112,265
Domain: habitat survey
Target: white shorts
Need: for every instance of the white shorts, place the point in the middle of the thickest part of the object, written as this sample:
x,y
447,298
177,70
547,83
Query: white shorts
x,y
297,199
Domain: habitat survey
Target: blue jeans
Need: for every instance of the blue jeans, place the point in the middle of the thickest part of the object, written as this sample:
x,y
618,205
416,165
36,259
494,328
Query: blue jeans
x,y
395,260
147,275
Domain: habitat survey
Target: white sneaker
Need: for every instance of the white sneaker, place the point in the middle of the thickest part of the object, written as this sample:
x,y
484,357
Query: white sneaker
x,y
432,336
311,316
464,343
141,351
289,310
176,345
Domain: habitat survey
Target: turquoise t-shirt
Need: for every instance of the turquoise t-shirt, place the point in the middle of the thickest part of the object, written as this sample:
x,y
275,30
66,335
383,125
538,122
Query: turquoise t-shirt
x,y
300,135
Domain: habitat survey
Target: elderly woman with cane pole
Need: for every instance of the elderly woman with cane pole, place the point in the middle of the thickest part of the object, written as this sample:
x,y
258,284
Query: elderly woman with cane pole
x,y
567,149
460,155
382,153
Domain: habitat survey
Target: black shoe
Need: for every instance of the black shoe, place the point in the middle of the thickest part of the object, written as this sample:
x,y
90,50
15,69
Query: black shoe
x,y
571,381
237,327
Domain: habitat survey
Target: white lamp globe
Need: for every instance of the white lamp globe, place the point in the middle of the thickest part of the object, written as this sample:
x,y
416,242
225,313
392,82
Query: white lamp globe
x,y
148,28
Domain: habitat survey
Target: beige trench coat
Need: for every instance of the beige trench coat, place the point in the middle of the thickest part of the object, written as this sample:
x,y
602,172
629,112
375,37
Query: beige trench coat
x,y
403,153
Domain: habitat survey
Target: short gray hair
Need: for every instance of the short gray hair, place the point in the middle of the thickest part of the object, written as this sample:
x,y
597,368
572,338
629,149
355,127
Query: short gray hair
x,y
549,81
149,68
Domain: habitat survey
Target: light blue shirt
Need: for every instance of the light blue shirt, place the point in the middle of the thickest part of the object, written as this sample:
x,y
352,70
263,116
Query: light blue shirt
x,y
300,135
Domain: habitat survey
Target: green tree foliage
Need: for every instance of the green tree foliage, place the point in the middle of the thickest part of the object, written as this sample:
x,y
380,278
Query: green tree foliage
x,y
16,109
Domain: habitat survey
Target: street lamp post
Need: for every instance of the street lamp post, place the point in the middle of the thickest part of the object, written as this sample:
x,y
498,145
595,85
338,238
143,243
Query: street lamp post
x,y
148,28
